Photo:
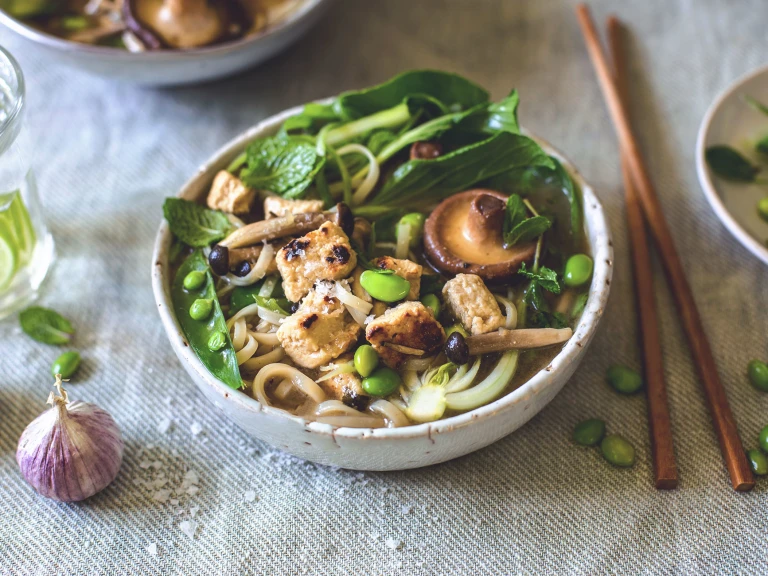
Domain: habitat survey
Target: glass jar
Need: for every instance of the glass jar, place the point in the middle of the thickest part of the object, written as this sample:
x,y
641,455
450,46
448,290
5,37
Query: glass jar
x,y
26,245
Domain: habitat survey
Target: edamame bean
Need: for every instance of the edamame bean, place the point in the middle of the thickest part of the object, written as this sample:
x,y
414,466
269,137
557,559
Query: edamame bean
x,y
217,341
385,287
201,308
758,374
416,221
762,208
758,462
366,360
456,328
578,270
432,302
66,365
589,432
618,451
194,280
623,380
763,439
382,382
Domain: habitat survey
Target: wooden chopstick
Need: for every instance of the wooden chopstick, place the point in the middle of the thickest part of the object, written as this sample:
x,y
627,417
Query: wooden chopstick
x,y
722,417
662,446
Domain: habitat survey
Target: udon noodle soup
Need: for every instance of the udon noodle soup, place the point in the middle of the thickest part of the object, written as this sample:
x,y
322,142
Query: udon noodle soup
x,y
398,255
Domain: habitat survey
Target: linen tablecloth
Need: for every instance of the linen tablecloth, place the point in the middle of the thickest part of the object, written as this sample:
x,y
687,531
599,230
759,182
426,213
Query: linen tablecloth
x,y
107,154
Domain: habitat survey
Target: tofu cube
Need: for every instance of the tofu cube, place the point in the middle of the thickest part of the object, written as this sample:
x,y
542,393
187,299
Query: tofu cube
x,y
323,254
470,301
229,194
408,325
319,331
405,269
274,206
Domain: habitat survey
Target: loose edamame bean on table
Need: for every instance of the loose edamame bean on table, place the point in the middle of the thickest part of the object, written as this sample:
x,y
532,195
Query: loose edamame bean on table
x,y
618,451
589,432
763,439
758,374
66,365
366,360
385,287
432,302
201,309
194,280
578,270
758,462
623,379
382,382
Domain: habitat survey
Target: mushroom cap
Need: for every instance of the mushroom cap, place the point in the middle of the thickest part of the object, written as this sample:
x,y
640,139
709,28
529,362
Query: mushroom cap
x,y
463,235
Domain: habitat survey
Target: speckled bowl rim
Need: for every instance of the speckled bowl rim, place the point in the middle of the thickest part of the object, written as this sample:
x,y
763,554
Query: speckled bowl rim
x,y
150,56
602,251
705,178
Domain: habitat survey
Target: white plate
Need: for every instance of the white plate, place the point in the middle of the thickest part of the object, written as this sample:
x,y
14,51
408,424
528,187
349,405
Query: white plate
x,y
174,67
730,120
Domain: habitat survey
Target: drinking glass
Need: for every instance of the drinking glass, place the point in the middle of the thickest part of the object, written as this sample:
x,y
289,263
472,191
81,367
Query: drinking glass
x,y
26,245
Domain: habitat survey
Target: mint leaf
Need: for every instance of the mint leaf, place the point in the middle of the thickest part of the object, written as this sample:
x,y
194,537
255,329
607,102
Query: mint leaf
x,y
193,224
545,277
518,228
284,165
46,326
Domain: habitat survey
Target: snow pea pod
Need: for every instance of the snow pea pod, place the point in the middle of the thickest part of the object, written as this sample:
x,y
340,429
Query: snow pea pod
x,y
222,363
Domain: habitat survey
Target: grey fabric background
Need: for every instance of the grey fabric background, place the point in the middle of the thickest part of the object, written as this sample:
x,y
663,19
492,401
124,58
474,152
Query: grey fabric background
x,y
533,503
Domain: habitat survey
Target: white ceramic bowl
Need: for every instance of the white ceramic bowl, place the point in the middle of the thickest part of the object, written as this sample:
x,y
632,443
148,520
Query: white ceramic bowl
x,y
732,121
174,67
395,448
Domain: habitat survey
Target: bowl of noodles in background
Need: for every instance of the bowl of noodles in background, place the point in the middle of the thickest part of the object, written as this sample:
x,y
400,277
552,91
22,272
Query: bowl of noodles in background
x,y
122,55
400,448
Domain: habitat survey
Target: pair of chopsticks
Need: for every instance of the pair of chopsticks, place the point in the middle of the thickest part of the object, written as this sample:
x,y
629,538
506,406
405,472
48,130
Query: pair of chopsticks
x,y
641,200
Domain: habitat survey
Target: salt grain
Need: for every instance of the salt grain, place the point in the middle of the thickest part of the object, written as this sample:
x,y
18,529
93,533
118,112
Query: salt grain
x,y
164,426
194,510
192,490
392,543
145,464
406,509
157,464
161,496
189,527
195,429
174,502
152,549
249,496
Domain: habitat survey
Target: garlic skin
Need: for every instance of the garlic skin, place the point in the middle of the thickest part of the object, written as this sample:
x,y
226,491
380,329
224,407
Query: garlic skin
x,y
71,451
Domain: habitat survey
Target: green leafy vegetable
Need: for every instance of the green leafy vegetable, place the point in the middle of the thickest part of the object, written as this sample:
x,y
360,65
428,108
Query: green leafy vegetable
x,y
518,227
284,165
222,362
539,314
451,90
243,296
756,104
193,224
278,305
46,326
419,181
496,117
431,284
313,117
728,163
762,146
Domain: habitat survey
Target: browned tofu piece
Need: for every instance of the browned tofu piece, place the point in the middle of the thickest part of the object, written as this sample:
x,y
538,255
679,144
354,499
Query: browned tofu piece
x,y
324,254
319,331
229,194
274,206
470,301
348,388
405,269
408,324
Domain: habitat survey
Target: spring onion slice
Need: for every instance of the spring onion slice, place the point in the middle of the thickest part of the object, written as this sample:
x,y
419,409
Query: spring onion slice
x,y
345,368
371,178
462,379
487,390
403,241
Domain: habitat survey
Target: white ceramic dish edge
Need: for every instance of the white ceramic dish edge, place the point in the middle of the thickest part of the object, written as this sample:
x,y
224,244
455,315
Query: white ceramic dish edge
x,y
398,448
705,178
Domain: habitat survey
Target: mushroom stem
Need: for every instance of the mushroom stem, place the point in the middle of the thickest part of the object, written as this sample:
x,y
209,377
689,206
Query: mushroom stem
x,y
288,225
525,339
485,219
